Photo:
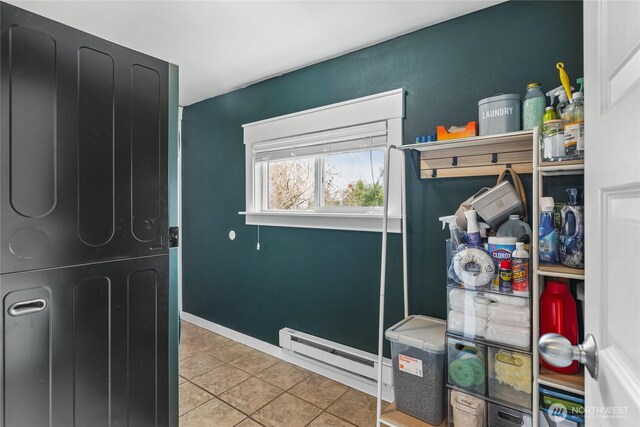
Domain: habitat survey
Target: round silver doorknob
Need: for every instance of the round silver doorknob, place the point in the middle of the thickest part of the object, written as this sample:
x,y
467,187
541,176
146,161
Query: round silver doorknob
x,y
556,350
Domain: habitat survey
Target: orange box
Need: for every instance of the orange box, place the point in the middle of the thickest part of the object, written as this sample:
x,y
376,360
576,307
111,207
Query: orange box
x,y
471,129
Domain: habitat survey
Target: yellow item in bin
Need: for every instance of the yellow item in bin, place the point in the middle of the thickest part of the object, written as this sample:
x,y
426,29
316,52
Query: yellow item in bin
x,y
513,369
564,79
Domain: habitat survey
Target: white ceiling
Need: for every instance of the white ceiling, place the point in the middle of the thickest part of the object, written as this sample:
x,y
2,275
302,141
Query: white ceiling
x,y
221,46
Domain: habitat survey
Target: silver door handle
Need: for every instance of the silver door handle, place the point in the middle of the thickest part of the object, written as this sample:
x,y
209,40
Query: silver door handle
x,y
27,307
558,351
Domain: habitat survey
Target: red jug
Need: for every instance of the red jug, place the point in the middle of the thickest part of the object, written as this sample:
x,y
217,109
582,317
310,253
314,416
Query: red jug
x,y
558,315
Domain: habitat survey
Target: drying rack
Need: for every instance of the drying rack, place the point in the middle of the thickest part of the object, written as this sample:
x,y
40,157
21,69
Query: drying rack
x,y
474,156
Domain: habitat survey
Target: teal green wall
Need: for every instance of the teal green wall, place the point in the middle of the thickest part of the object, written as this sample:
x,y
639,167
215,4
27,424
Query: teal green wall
x,y
173,252
326,282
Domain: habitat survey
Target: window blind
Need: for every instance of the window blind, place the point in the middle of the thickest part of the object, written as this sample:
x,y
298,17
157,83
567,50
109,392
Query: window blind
x,y
354,138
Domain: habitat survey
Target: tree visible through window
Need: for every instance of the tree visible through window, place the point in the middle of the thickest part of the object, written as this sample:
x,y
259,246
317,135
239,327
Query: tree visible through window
x,y
354,179
291,184
351,180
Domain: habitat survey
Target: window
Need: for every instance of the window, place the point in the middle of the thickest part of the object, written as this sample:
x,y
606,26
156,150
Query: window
x,y
324,168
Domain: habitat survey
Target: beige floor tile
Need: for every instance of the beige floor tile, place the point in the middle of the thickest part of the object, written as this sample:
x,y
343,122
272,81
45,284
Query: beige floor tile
x,y
248,422
327,420
319,390
251,395
229,351
255,362
198,365
286,410
207,342
189,330
187,349
191,397
283,375
356,407
214,413
181,379
221,379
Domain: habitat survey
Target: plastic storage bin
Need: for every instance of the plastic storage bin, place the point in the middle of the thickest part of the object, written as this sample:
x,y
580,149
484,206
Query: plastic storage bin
x,y
466,410
501,416
468,311
494,317
466,365
546,420
573,403
418,355
510,376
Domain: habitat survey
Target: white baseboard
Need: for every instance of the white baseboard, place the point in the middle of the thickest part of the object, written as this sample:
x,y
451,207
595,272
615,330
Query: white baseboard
x,y
247,340
336,374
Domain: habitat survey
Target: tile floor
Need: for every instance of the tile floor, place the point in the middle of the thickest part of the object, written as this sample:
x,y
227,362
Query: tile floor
x,y
224,384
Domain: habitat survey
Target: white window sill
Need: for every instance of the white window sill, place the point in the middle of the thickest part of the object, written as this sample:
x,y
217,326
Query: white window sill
x,y
330,221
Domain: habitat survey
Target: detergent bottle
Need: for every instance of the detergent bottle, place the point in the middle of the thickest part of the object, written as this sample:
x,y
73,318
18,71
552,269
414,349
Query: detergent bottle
x,y
514,227
572,234
548,242
559,315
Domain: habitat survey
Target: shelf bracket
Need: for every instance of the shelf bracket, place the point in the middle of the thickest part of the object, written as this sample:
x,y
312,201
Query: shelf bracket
x,y
414,155
434,173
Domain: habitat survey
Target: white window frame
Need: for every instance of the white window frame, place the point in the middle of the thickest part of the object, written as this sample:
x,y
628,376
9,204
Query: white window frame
x,y
383,107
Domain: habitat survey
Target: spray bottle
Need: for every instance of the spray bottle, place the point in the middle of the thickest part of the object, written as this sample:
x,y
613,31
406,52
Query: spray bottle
x,y
484,231
473,230
550,112
453,229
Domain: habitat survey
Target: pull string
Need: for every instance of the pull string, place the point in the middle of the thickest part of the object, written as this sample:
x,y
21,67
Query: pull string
x,y
258,245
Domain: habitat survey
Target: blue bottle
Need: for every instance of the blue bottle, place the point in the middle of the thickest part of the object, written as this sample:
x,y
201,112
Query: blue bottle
x,y
548,243
572,235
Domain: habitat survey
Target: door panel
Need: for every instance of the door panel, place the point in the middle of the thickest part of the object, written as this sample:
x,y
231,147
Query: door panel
x,y
142,286
92,343
612,209
32,93
83,163
96,355
145,151
27,341
96,147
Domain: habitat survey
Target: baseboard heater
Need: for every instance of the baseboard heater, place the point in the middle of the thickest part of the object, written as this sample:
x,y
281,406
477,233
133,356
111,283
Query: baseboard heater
x,y
335,355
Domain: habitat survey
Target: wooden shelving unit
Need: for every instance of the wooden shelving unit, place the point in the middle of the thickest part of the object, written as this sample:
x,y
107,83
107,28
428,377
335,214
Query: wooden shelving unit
x,y
474,156
397,418
561,271
571,383
544,164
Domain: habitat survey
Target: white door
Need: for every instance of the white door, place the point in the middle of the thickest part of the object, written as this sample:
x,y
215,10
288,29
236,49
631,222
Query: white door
x,y
612,209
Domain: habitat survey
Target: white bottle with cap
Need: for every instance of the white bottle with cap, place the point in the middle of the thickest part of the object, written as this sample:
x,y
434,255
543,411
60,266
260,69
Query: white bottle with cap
x,y
520,270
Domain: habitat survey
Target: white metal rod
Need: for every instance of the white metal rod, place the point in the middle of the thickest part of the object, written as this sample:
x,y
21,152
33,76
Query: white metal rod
x,y
383,274
403,214
534,279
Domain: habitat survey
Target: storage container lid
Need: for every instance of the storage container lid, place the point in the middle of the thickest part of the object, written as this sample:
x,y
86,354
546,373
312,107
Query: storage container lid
x,y
425,333
502,240
546,204
505,97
